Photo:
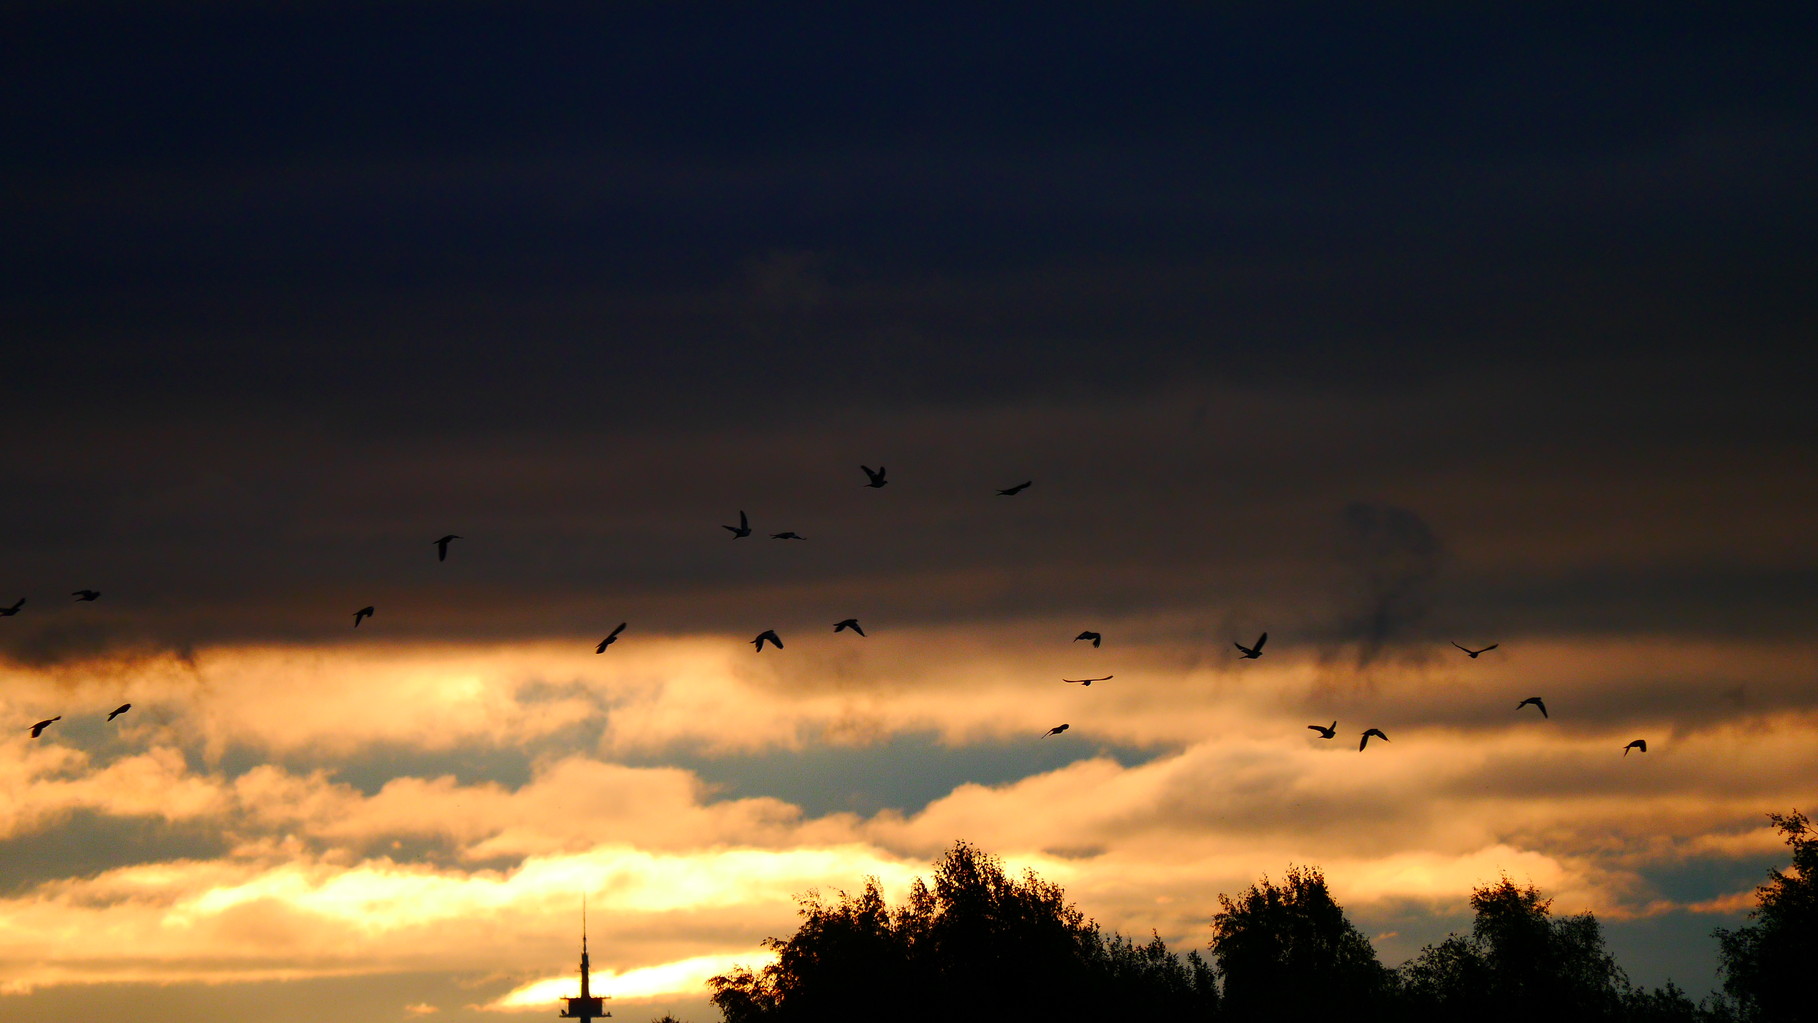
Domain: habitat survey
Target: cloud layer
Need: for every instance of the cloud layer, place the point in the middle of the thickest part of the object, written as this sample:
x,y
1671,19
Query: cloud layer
x,y
1186,775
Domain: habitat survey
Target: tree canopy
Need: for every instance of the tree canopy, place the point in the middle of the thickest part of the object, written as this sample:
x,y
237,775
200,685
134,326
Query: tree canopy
x,y
978,944
1766,965
1519,963
1287,952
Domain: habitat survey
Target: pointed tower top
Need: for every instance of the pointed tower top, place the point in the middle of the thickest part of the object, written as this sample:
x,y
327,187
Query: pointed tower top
x,y
588,1006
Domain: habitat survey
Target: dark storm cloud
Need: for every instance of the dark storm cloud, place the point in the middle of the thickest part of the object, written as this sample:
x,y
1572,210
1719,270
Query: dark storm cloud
x,y
298,290
1573,515
414,218
1396,557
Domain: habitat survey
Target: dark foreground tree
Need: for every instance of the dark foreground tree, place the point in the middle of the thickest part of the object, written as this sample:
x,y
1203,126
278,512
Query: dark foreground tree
x,y
1287,952
1519,963
1767,965
1665,1005
978,945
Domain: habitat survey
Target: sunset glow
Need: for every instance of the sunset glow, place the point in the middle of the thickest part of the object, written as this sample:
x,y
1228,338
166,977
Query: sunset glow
x,y
1447,349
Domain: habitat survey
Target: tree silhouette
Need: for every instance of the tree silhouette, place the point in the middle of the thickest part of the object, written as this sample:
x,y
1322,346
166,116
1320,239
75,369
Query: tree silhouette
x,y
839,958
1519,963
1767,965
978,944
1287,952
1664,1005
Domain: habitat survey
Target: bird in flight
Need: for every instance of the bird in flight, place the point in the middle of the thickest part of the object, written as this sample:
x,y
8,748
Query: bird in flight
x,y
1253,652
767,634
1086,681
1474,653
1093,636
787,535
743,529
1536,701
848,623
611,638
38,729
877,478
1326,732
1366,737
1056,730
123,708
1013,491
1639,746
82,595
365,612
442,546
8,612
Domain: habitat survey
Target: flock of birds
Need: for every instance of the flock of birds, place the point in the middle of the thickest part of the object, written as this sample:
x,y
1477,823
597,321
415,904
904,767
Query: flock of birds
x,y
82,596
876,478
1331,730
1254,651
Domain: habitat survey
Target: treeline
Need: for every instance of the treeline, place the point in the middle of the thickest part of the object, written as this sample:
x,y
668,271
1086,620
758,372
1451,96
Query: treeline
x,y
982,945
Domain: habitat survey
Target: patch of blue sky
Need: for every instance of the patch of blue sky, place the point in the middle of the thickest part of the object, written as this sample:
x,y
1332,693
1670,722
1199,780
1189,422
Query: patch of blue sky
x,y
904,773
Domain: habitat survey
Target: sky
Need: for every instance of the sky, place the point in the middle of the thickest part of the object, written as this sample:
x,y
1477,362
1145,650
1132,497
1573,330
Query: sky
x,y
1377,331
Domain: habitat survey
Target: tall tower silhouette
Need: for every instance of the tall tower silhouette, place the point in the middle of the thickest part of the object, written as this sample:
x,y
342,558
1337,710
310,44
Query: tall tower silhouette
x,y
588,1006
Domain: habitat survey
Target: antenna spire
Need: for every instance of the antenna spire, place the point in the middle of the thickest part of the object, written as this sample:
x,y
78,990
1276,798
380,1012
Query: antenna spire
x,y
588,1006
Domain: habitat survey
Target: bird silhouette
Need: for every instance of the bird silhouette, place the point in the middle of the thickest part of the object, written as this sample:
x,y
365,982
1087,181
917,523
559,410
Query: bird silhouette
x,y
787,535
1013,491
1639,746
1366,737
8,612
1086,681
1253,652
1474,653
1327,732
848,623
365,612
442,546
611,638
1536,701
38,729
877,478
1056,730
743,529
123,708
1093,636
82,595
767,634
